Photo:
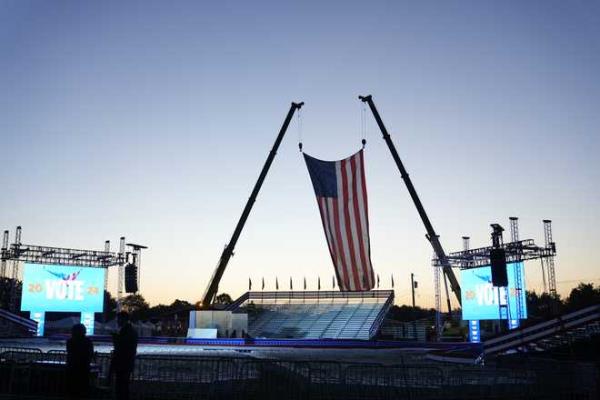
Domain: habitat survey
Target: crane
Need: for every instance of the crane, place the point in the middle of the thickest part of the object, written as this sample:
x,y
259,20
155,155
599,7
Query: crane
x,y
213,284
431,235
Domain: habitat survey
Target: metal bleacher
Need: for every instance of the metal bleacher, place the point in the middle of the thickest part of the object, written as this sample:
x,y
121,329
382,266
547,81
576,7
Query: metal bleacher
x,y
13,325
315,314
565,329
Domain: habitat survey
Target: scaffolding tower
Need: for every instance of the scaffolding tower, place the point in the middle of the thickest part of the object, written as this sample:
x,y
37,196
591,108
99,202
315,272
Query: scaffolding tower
x,y
15,273
4,250
438,297
121,273
517,266
549,259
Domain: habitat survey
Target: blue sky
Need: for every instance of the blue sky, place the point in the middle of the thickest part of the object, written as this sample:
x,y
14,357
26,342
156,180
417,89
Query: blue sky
x,y
152,120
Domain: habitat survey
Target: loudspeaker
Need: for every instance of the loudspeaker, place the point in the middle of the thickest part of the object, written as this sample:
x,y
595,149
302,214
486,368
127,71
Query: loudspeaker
x,y
498,261
131,273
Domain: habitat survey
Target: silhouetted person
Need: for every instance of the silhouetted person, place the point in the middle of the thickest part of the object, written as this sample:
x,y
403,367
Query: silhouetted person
x,y
123,359
80,351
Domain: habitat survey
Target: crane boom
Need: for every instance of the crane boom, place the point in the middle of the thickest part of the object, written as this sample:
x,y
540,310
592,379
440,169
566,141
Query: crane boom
x,y
213,285
431,235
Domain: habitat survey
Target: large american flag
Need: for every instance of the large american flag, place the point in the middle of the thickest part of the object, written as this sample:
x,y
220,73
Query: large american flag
x,y
341,192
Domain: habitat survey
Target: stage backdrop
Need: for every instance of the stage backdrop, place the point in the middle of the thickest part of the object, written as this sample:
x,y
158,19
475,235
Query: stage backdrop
x,y
480,299
62,288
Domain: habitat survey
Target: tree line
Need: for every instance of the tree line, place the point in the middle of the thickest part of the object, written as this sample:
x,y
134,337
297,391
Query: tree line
x,y
539,306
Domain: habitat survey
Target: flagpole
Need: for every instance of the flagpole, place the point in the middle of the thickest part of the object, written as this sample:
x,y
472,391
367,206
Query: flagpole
x,y
318,288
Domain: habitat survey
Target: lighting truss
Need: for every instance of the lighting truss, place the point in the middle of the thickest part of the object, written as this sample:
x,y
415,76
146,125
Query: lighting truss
x,y
521,250
63,256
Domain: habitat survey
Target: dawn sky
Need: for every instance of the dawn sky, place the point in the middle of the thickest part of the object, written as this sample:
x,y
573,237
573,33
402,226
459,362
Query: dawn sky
x,y
152,120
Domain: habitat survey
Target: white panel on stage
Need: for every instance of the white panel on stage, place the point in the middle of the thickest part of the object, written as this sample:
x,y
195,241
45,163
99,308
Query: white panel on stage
x,y
224,322
201,333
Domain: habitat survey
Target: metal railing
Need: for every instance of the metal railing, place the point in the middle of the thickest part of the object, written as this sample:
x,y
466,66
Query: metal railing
x,y
31,373
376,325
26,323
524,336
317,295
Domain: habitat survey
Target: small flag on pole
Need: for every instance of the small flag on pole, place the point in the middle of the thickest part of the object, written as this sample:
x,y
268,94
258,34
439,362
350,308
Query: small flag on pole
x,y
249,284
319,283
392,281
276,284
304,283
291,285
263,283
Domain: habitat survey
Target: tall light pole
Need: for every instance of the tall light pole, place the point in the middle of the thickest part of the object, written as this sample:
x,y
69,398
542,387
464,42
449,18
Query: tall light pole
x,y
412,285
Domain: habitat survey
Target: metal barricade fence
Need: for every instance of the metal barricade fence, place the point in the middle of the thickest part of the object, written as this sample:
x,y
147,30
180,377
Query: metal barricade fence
x,y
374,382
23,354
183,377
27,372
56,355
324,379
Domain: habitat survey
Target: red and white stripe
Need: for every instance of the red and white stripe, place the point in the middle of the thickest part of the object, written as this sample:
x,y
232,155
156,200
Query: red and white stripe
x,y
346,224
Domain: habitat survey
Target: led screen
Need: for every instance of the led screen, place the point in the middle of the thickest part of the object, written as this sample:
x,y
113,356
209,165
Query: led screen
x,y
62,288
481,300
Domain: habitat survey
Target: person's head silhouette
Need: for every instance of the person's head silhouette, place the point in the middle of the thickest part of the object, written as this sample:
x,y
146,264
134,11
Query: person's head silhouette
x,y
78,331
122,318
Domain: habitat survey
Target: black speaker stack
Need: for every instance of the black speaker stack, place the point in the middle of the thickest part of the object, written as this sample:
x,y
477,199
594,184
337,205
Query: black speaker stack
x,y
498,258
498,261
131,278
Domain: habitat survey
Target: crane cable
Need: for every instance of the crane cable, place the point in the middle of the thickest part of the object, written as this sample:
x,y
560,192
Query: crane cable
x,y
363,124
299,128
